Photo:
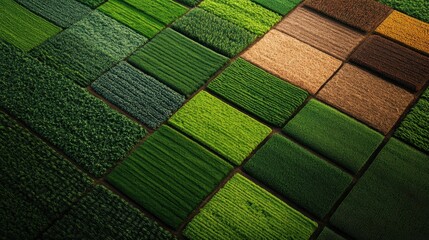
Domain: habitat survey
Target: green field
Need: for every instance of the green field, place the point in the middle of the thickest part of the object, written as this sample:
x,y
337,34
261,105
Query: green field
x,y
222,128
34,190
145,16
328,234
23,28
244,13
416,8
212,31
334,135
142,96
300,176
103,215
92,3
279,6
243,210
89,48
169,175
414,129
390,200
258,92
63,13
190,3
85,128
177,61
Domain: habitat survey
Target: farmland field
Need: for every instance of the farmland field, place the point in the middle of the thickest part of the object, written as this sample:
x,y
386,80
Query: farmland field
x,y
191,3
139,94
243,210
279,6
177,61
220,127
259,92
92,3
180,174
415,8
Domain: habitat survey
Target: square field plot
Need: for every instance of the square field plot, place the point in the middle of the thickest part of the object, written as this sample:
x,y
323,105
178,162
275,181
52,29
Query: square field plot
x,y
334,135
297,174
243,210
147,17
367,97
177,61
292,60
321,32
361,14
142,96
390,201
220,127
89,48
23,28
400,64
210,30
244,13
258,92
169,175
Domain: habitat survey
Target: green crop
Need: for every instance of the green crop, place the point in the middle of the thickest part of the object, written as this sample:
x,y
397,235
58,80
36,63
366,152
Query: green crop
x,y
89,48
37,183
190,3
258,92
169,175
214,32
334,135
220,127
243,210
92,3
244,13
85,128
299,175
177,61
416,8
23,28
139,94
103,215
279,6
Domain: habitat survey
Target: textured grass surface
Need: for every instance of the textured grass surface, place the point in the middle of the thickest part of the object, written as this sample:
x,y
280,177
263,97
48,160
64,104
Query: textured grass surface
x,y
92,3
214,32
220,127
414,129
61,12
416,8
279,6
86,129
244,13
390,200
139,94
243,210
191,3
177,61
23,28
103,215
334,135
299,175
89,48
37,183
145,16
259,92
169,175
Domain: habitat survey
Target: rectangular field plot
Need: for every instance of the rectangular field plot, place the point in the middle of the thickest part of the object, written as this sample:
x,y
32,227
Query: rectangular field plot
x,y
139,94
103,215
243,13
89,48
259,92
243,210
177,61
37,183
212,31
61,12
169,175
147,17
220,127
23,28
85,128
302,177
279,6
334,135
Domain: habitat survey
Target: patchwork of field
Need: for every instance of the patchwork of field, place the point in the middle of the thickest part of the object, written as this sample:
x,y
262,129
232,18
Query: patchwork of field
x,y
214,119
